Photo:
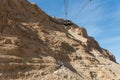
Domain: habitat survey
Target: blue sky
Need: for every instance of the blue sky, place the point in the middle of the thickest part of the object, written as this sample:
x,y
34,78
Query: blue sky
x,y
101,18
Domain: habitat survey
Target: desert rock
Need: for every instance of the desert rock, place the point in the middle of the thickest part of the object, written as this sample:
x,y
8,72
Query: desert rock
x,y
36,46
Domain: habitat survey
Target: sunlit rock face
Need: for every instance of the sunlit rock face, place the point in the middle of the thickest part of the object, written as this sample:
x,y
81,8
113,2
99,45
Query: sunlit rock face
x,y
36,46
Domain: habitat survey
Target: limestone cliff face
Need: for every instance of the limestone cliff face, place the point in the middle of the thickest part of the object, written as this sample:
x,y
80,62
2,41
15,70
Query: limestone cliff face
x,y
35,46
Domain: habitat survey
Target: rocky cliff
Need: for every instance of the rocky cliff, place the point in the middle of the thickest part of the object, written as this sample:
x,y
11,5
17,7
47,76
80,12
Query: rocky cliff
x,y
35,46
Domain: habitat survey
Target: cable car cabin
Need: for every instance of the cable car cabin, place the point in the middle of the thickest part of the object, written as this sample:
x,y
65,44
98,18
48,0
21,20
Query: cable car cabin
x,y
67,23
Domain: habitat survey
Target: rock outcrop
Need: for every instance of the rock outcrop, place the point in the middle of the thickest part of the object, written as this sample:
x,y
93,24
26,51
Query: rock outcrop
x,y
36,46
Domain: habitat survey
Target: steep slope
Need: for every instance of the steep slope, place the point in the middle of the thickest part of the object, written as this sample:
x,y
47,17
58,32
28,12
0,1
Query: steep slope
x,y
35,46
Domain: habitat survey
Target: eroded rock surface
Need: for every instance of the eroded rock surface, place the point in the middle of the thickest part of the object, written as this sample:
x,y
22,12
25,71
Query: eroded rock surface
x,y
35,46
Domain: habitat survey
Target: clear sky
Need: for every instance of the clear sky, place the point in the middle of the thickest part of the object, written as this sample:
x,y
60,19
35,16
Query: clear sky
x,y
101,18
